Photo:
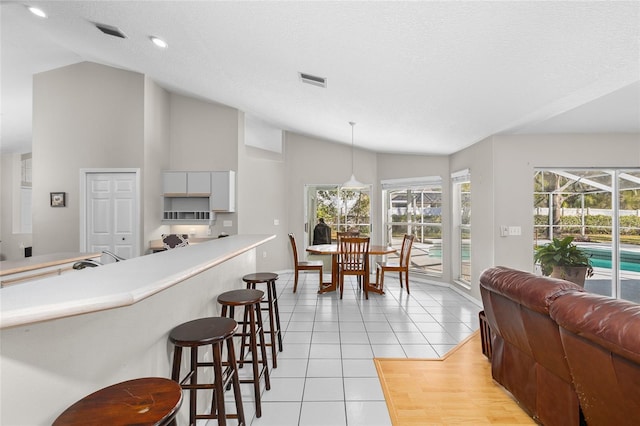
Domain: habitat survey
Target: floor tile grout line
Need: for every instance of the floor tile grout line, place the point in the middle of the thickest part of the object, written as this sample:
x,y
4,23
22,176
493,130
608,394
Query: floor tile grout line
x,y
384,308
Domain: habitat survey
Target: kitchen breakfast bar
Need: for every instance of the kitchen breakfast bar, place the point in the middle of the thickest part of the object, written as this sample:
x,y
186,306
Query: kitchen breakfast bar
x,y
67,336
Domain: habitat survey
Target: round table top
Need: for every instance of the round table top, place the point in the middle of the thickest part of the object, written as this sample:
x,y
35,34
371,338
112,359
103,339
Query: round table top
x,y
146,401
333,249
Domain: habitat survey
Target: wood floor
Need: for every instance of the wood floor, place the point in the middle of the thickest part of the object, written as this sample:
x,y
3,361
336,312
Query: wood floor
x,y
456,389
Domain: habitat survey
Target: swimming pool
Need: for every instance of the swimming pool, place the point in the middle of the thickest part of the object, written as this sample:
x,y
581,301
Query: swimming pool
x,y
601,258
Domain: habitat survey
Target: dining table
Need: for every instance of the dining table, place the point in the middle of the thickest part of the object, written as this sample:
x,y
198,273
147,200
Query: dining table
x,y
332,249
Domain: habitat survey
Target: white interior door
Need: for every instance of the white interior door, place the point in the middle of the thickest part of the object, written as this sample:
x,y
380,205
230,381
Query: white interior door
x,y
111,213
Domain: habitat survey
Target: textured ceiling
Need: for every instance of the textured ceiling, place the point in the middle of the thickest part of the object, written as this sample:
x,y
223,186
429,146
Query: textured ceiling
x,y
417,77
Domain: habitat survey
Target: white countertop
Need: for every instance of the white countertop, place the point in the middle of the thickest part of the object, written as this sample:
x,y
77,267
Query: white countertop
x,y
116,284
8,267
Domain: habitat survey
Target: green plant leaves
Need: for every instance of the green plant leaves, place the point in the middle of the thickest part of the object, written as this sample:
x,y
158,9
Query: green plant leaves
x,y
561,252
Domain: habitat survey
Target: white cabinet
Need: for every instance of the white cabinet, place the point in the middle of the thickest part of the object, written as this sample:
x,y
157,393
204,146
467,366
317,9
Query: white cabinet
x,y
191,197
198,184
186,184
223,191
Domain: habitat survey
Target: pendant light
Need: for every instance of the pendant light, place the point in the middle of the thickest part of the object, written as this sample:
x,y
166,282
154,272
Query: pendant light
x,y
352,183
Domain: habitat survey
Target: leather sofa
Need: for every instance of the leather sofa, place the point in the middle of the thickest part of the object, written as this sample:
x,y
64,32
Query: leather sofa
x,y
527,354
567,356
601,340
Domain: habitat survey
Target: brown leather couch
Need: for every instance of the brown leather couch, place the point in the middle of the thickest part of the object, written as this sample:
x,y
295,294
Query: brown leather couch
x,y
601,340
527,353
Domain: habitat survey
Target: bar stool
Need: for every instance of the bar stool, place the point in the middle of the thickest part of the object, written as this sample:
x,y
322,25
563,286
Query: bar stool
x,y
274,331
212,331
250,300
147,401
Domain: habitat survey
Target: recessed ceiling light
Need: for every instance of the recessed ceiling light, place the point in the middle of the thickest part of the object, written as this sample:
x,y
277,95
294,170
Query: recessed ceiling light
x,y
37,11
159,42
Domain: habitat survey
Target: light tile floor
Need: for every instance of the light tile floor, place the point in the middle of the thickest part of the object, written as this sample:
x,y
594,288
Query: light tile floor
x,y
326,375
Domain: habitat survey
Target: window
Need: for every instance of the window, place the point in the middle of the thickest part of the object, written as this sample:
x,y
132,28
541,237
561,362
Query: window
x,y
341,209
461,182
21,193
25,193
601,210
414,206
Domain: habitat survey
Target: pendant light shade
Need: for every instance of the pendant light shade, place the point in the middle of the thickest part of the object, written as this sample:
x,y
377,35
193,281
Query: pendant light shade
x,y
352,183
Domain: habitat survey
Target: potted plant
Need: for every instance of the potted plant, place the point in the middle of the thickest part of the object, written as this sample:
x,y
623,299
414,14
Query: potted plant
x,y
563,259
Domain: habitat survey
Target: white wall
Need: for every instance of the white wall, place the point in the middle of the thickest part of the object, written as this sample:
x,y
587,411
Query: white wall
x,y
94,116
261,198
156,159
262,202
203,137
84,116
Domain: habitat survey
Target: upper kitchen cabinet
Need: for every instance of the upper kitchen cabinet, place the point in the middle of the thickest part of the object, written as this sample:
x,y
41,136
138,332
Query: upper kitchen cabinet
x,y
186,184
191,197
223,191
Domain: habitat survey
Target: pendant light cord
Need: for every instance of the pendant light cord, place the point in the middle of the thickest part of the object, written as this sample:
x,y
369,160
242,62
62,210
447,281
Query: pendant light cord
x,y
353,124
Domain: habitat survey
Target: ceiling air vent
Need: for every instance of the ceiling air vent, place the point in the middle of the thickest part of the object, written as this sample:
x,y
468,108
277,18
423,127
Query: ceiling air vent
x,y
312,79
109,30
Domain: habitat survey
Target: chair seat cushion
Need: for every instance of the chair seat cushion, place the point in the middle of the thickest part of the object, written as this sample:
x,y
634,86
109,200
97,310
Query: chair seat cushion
x,y
310,263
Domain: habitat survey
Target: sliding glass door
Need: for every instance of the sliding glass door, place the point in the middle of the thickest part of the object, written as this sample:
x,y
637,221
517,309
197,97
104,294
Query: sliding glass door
x,y
601,210
414,207
341,209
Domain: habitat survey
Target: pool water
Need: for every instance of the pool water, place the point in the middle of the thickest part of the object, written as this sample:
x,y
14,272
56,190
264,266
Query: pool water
x,y
625,266
601,258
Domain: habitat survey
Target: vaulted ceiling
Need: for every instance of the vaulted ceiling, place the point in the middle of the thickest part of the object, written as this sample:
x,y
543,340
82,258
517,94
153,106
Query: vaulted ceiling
x,y
417,77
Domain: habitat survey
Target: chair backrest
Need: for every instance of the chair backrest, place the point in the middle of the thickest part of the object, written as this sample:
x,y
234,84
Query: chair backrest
x,y
405,251
354,253
292,239
347,234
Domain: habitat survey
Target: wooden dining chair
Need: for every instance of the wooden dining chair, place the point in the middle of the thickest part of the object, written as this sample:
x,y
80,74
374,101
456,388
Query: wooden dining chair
x,y
353,259
343,234
347,234
304,265
402,265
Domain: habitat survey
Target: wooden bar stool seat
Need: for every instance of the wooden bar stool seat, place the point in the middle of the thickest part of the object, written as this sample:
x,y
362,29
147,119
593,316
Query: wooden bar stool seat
x,y
146,401
270,305
213,331
252,328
